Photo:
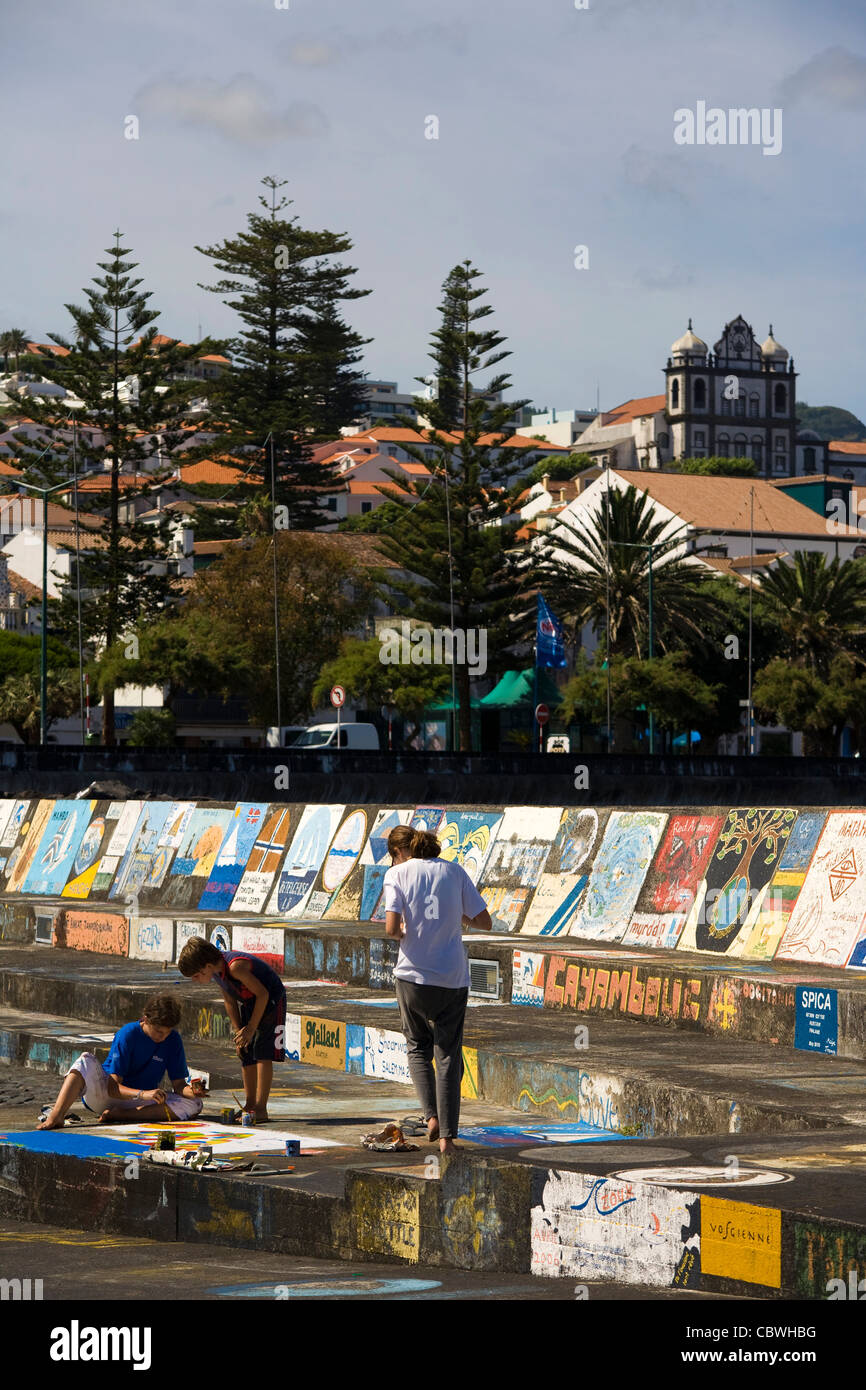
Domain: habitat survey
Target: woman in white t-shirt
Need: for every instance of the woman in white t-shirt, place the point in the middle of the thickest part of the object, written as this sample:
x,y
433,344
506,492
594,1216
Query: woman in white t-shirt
x,y
427,899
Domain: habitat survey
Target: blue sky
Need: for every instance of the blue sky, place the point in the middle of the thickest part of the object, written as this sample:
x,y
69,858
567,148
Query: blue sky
x,y
555,129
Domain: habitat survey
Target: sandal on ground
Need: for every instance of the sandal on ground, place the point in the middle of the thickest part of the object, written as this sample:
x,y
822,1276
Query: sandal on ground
x,y
414,1124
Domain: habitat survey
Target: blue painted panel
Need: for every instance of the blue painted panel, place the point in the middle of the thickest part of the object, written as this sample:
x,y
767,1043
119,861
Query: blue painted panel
x,y
69,1141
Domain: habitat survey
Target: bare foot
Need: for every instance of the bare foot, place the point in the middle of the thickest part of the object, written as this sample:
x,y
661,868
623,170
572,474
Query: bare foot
x,y
109,1116
447,1146
433,1129
51,1121
262,1117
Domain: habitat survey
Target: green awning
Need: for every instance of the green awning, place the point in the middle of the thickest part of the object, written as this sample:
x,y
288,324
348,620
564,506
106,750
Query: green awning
x,y
518,688
443,706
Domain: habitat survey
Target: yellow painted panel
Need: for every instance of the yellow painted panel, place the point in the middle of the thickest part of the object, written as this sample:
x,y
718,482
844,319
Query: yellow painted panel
x,y
740,1241
323,1042
469,1083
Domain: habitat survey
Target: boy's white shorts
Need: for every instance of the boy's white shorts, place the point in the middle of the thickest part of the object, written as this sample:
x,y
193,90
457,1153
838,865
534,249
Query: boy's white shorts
x,y
97,1098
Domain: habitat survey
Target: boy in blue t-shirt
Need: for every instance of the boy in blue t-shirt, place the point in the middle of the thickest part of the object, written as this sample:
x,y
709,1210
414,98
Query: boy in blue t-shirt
x,y
127,1085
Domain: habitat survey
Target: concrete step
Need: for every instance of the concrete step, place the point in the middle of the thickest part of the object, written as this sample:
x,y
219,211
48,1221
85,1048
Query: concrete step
x,y
621,1077
759,1216
786,1004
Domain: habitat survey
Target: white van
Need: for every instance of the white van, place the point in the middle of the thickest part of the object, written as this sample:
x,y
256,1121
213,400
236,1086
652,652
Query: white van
x,y
353,735
284,736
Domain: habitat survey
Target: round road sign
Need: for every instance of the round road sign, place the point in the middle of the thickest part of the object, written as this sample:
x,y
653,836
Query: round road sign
x,y
338,696
542,714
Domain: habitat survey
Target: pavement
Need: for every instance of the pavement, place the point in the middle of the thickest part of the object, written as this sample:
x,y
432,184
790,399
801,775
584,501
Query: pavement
x,y
131,1268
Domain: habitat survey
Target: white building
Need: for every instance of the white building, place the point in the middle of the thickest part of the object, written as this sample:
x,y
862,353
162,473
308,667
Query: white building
x,y
561,427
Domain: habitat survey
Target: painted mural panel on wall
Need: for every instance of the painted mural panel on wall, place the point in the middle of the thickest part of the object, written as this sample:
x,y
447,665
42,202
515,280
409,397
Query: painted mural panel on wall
x,y
184,932
89,852
623,858
527,978
341,857
590,1227
24,851
304,858
168,840
670,887
467,838
514,866
762,942
13,814
196,855
428,818
828,916
246,821
562,885
82,929
137,862
121,818
53,860
264,942
746,854
358,898
265,858
151,938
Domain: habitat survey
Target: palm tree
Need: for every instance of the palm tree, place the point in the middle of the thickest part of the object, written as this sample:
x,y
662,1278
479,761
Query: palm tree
x,y
609,556
820,609
12,343
20,701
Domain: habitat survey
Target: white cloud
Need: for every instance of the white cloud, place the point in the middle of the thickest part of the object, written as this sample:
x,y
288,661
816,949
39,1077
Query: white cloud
x,y
241,109
834,78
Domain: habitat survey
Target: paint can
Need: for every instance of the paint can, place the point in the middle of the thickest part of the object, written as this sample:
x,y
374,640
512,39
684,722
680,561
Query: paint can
x,y
165,1141
248,1120
227,1115
293,1148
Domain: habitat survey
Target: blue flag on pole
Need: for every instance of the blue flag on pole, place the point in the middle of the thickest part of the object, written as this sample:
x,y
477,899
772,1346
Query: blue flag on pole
x,y
549,640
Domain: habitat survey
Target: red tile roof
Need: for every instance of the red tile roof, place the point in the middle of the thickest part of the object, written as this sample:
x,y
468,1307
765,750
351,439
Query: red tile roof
x,y
632,410
723,504
208,471
847,446
54,348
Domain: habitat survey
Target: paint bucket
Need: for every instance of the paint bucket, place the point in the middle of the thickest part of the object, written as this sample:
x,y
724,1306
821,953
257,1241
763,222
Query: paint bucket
x,y
165,1141
248,1120
227,1115
293,1148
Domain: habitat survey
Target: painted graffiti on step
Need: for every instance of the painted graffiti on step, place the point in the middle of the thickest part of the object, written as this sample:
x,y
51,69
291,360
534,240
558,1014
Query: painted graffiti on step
x,y
634,991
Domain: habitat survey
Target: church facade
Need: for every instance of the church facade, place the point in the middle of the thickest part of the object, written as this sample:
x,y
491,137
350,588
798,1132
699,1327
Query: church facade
x,y
738,401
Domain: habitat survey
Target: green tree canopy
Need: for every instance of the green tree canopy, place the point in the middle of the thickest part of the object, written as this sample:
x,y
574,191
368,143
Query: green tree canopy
x,y
461,574
294,377
360,669
21,697
134,406
818,607
715,467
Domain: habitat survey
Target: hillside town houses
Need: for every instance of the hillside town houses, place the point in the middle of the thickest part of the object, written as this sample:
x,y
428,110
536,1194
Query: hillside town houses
x,y
734,400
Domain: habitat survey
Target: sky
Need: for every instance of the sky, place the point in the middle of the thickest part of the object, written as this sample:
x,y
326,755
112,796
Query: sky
x,y
554,130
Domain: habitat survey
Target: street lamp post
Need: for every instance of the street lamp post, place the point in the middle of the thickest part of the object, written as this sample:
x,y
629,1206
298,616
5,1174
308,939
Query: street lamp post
x,y
649,547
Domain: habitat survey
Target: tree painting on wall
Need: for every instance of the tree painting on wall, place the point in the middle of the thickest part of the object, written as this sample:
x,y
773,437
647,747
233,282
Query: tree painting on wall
x,y
747,852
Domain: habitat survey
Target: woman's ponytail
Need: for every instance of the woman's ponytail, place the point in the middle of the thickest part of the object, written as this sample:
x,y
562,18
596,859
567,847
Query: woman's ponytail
x,y
418,844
